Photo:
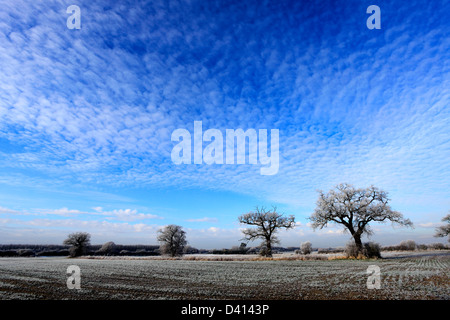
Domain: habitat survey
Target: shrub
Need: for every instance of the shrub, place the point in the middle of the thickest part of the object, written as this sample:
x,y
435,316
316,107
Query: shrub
x,y
437,246
422,247
25,252
351,250
108,248
369,250
407,245
263,251
372,250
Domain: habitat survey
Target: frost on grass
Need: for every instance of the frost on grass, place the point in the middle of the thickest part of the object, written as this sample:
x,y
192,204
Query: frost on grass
x,y
415,277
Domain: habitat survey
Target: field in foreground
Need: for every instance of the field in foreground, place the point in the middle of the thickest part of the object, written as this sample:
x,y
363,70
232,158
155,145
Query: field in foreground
x,y
420,276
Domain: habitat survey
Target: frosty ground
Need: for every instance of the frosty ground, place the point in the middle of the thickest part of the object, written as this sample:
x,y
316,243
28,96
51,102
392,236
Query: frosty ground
x,y
423,275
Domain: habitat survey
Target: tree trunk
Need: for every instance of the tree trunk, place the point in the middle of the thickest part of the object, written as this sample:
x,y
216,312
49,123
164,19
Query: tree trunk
x,y
358,242
269,248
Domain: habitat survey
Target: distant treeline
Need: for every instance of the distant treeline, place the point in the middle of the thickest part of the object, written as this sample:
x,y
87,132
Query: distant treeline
x,y
251,250
112,249
406,245
410,245
25,250
52,250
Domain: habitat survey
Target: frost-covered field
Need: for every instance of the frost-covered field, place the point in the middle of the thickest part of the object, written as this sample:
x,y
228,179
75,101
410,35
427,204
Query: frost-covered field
x,y
417,276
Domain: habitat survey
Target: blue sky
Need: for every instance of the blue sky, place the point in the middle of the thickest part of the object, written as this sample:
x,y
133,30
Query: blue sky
x,y
86,116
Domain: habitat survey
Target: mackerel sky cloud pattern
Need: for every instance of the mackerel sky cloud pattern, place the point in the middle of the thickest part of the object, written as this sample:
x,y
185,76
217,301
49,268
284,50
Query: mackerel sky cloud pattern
x,y
86,116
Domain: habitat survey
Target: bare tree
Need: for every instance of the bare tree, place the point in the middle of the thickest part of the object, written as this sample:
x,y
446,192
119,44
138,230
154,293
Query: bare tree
x,y
172,239
355,208
444,230
306,247
107,248
79,242
407,245
267,223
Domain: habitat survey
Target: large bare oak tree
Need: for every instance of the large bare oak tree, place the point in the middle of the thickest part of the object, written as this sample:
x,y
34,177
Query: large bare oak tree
x,y
355,208
267,223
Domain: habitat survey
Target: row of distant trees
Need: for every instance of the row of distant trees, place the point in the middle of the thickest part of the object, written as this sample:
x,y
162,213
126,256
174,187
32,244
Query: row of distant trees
x,y
172,240
353,208
111,248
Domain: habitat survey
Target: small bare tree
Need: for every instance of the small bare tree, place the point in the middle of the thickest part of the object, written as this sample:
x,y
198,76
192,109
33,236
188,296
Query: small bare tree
x,y
306,247
172,239
407,245
267,223
355,208
79,242
444,230
107,248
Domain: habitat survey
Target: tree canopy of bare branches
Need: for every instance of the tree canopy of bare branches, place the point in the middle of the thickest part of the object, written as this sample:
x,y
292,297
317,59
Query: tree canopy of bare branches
x,y
443,231
79,242
355,208
172,239
267,223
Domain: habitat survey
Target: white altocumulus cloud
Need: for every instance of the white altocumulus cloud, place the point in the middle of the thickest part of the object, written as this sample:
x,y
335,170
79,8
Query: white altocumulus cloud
x,y
116,214
97,106
6,210
128,215
204,219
